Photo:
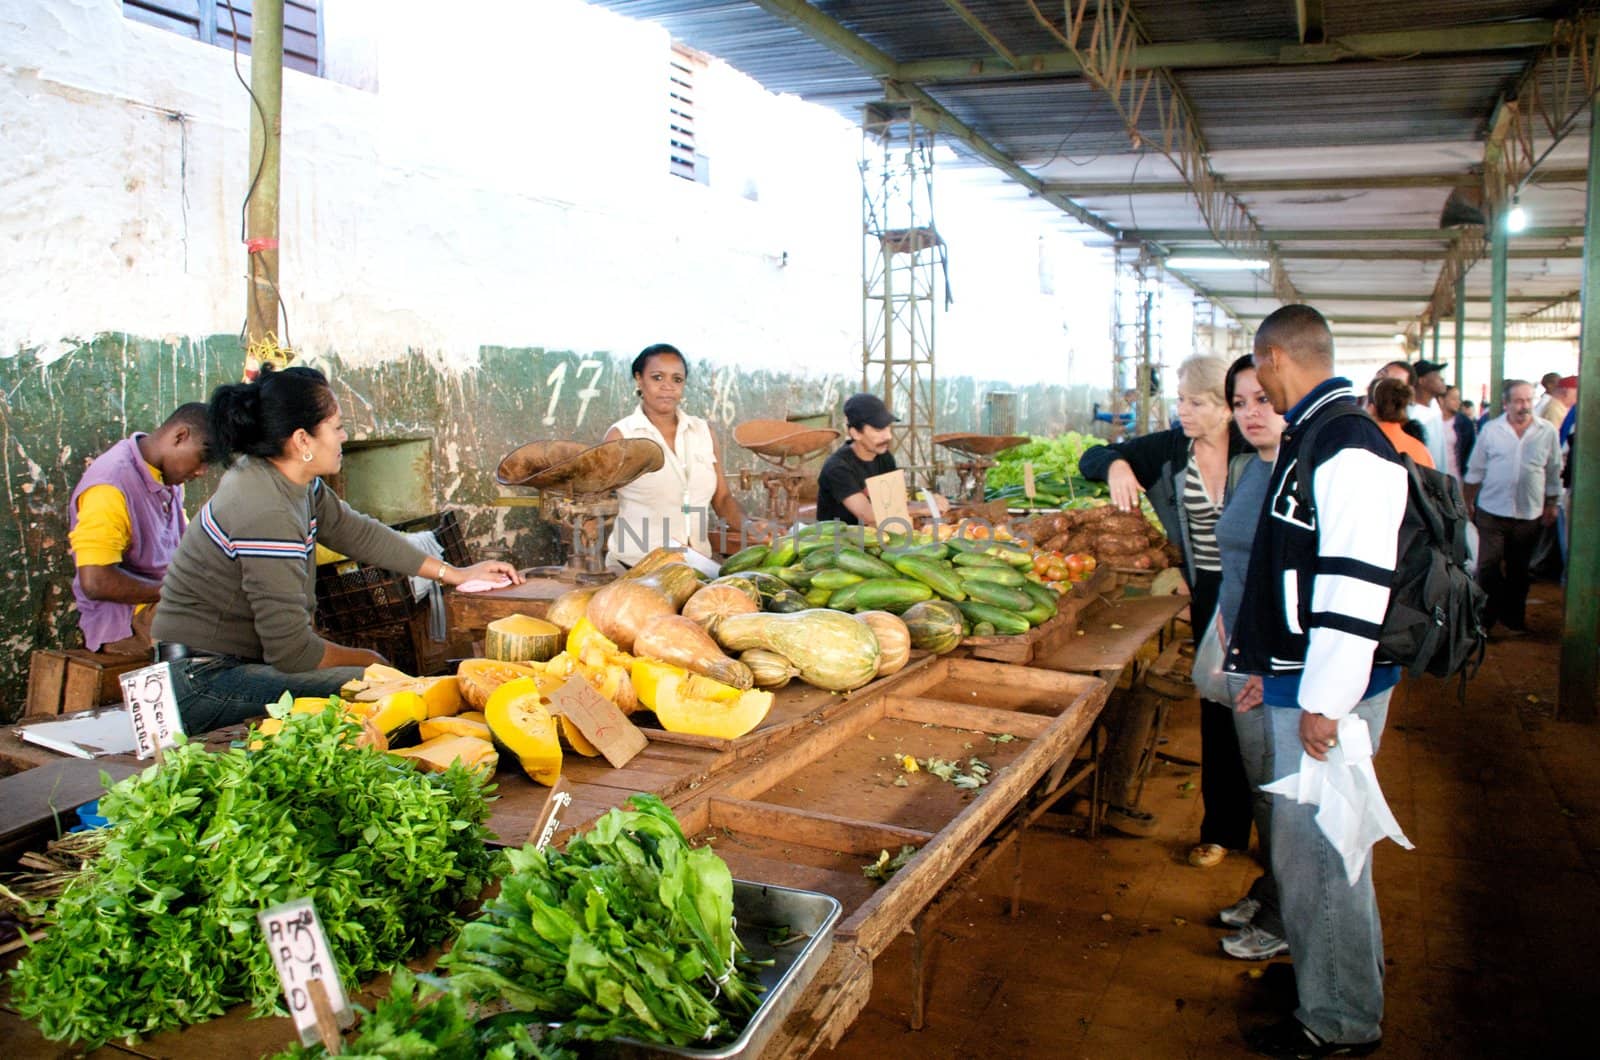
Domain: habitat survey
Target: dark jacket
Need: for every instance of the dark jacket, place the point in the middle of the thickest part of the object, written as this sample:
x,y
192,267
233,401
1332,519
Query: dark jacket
x,y
1159,461
1466,438
1318,585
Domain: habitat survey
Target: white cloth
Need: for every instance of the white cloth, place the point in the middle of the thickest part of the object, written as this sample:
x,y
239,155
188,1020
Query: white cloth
x,y
1353,813
1517,475
420,586
1432,420
650,509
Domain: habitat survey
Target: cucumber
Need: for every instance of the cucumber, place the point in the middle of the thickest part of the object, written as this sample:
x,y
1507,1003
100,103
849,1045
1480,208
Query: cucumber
x,y
784,551
827,527
978,559
1002,575
820,558
795,577
833,580
998,595
1006,623
817,597
983,629
745,559
1042,595
936,550
887,594
1038,614
809,546
943,582
858,562
845,599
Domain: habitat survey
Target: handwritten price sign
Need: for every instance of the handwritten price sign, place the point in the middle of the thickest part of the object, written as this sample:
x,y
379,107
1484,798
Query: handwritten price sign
x,y
306,970
152,709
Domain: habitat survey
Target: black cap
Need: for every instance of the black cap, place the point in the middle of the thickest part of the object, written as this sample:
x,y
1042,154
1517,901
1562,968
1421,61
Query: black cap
x,y
1424,367
867,410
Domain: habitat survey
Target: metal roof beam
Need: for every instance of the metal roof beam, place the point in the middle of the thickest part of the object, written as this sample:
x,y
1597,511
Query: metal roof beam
x,y
826,31
1341,235
1314,297
1371,182
1388,45
976,25
1410,254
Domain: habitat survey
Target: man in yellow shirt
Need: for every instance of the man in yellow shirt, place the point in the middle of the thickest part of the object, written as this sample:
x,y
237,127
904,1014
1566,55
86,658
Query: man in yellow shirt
x,y
126,517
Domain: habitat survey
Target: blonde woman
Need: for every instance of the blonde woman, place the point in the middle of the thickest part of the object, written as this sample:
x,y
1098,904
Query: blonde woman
x,y
1184,474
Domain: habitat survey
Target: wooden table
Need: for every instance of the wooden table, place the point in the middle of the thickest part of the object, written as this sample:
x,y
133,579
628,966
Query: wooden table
x,y
1111,633
469,613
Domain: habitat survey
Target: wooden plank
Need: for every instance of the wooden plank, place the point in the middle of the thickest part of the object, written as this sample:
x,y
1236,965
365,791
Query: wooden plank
x,y
1023,648
811,827
1049,682
1111,635
831,1003
962,716
47,673
470,613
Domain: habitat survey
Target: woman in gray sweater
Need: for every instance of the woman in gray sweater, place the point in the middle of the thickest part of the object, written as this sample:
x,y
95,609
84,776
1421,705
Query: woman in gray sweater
x,y
235,619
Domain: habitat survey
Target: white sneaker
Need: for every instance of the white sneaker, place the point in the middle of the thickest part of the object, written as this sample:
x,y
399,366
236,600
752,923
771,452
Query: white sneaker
x,y
1254,944
1240,913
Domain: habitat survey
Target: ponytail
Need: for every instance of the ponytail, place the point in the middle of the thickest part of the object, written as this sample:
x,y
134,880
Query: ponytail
x,y
257,419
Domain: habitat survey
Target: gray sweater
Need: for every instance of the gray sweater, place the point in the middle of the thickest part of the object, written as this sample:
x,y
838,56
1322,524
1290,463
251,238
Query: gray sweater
x,y
243,581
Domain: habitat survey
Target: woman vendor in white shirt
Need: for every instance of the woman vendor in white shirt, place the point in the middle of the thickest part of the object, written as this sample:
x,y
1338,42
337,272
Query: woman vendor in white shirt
x,y
673,506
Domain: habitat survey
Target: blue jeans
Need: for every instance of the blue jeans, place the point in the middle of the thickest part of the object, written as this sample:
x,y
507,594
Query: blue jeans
x,y
1254,728
1334,935
220,690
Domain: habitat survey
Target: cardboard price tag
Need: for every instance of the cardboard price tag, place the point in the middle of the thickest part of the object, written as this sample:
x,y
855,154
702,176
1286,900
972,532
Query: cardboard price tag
x,y
311,984
549,822
887,495
617,738
152,709
1028,488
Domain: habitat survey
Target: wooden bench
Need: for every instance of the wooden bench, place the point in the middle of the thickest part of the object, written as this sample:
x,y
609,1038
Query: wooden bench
x,y
72,679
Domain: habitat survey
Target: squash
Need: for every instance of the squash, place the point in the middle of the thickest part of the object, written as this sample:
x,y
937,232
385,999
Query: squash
x,y
712,604
768,669
831,649
741,583
934,625
523,728
442,752
518,638
653,561
690,703
442,694
397,710
569,607
575,738
894,640
457,726
676,581
478,678
583,636
612,679
680,641
621,609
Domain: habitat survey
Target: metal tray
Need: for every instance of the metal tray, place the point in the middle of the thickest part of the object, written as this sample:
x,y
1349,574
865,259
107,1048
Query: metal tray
x,y
758,910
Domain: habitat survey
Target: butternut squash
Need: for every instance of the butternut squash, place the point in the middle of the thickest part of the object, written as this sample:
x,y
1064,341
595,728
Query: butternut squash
x,y
767,668
523,728
676,581
831,649
520,638
680,641
621,609
569,607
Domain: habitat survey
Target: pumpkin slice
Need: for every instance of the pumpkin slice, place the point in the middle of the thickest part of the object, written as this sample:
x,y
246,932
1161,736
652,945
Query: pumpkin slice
x,y
575,737
457,726
478,678
519,638
691,703
441,752
523,728
585,636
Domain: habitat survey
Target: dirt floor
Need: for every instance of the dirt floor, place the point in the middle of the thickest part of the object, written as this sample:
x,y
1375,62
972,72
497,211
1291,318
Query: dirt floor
x,y
1491,924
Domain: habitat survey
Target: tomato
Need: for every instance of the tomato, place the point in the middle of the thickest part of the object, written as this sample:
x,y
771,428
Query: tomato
x,y
1056,573
1040,562
1089,563
1074,563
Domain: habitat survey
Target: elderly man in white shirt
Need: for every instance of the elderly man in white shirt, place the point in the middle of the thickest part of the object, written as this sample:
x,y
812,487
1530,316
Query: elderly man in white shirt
x,y
1512,487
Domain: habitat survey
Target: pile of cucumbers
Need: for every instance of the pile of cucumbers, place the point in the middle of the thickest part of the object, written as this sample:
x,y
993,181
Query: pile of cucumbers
x,y
1050,490
853,568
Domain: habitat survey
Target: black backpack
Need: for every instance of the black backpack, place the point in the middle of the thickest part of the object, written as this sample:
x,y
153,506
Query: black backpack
x,y
1434,623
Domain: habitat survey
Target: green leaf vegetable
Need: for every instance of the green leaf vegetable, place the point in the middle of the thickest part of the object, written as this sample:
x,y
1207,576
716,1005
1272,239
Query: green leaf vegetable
x,y
161,930
1055,471
628,933
415,1022
886,866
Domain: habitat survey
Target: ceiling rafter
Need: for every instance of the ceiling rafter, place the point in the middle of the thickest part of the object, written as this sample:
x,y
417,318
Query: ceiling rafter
x,y
1085,189
1342,235
977,26
1112,39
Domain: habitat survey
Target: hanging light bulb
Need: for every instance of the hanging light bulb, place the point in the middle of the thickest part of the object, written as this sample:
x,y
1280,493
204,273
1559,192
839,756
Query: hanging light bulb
x,y
1516,217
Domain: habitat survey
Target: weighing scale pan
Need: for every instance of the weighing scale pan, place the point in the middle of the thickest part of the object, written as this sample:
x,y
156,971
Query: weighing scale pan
x,y
781,439
576,468
980,444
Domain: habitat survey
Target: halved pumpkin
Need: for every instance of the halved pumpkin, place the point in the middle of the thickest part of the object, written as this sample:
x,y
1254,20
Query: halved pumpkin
x,y
457,726
518,638
523,728
585,635
441,752
691,703
478,678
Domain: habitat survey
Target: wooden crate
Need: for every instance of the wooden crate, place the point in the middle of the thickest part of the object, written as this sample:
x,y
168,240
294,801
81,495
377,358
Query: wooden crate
x,y
1021,649
61,681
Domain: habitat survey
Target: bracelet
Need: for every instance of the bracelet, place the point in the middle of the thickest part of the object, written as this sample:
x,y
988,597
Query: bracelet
x,y
443,568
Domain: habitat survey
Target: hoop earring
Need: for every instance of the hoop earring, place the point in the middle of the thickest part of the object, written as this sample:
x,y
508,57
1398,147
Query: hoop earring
x,y
305,457
637,392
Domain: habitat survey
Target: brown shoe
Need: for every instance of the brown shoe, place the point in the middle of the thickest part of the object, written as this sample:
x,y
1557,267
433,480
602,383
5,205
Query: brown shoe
x,y
1207,855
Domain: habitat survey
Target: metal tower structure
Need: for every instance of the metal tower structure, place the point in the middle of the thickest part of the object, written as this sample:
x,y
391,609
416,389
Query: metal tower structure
x,y
901,259
1136,341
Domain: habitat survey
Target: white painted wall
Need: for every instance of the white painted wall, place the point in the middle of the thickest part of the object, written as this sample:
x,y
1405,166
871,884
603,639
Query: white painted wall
x,y
498,179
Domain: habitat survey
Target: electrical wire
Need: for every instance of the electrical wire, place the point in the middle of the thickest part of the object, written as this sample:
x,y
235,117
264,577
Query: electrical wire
x,y
255,180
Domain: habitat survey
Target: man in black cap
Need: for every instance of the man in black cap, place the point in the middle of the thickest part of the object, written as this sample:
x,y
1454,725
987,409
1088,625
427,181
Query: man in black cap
x,y
842,483
1428,411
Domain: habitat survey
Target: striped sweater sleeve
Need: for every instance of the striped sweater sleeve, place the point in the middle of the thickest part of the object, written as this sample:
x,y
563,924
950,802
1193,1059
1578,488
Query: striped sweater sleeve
x,y
1360,501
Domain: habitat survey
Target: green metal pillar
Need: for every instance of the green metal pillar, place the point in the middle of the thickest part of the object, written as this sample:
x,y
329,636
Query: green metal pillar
x,y
1498,238
261,211
1435,340
1461,331
1580,633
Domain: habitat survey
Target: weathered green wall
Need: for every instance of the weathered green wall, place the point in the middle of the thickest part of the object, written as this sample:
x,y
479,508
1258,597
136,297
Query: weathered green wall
x,y
58,416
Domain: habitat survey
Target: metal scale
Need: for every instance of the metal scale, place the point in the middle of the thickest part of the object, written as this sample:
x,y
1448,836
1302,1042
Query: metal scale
x,y
978,450
786,446
577,487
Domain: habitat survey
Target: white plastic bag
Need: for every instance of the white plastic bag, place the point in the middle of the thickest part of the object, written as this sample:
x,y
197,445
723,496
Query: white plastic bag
x,y
1211,649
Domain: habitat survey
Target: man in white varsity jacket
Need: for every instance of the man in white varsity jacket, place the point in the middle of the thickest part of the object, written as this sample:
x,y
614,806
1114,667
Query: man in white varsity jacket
x,y
1314,604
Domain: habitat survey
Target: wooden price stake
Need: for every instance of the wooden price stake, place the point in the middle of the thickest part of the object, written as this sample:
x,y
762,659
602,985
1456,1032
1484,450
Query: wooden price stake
x,y
1028,488
617,738
152,710
549,822
307,973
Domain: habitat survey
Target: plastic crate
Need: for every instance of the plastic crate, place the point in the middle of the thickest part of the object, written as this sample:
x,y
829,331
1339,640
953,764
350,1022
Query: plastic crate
x,y
405,644
353,597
